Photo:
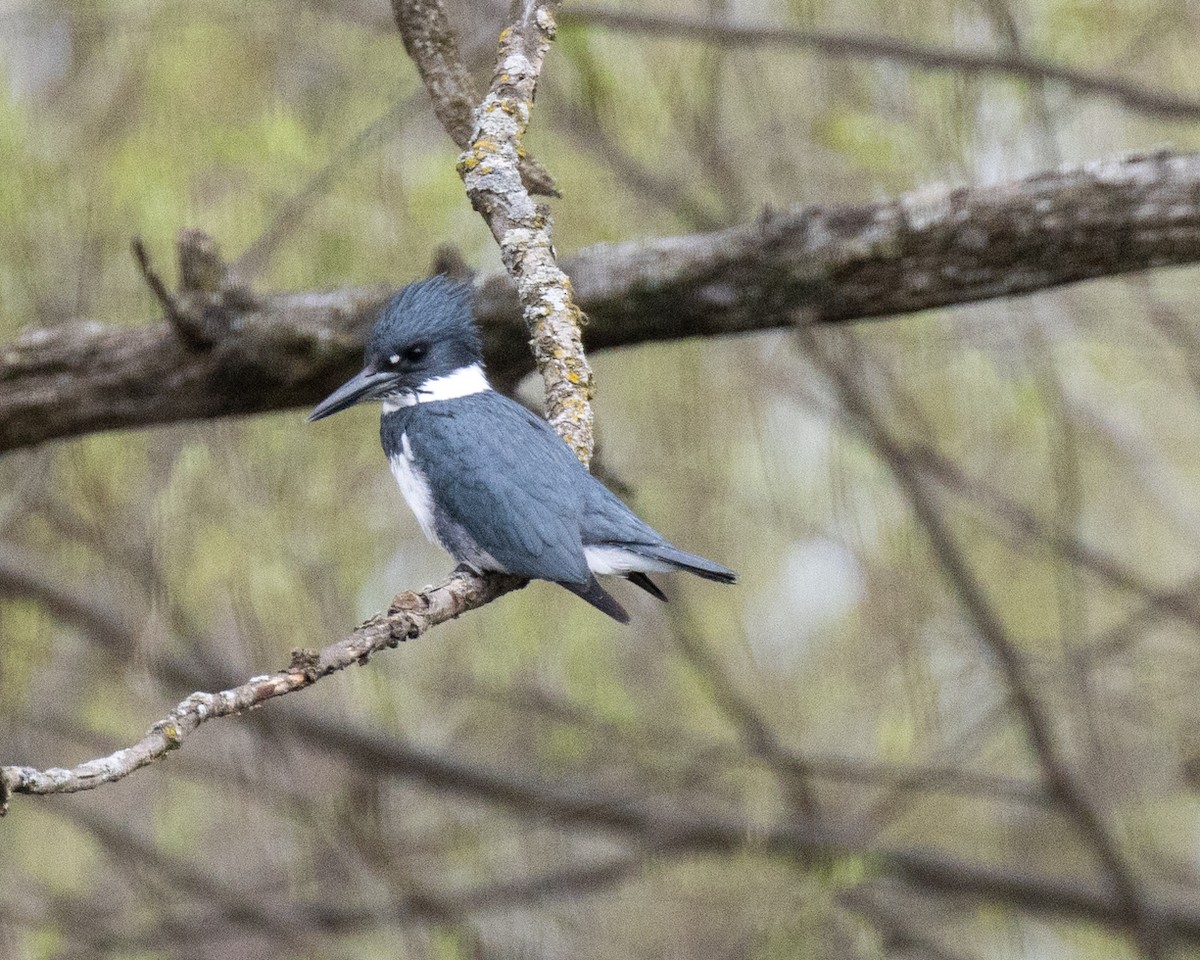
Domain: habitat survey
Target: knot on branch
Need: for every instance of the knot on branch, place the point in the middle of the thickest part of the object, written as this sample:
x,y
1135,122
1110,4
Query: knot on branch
x,y
170,732
305,662
203,310
405,614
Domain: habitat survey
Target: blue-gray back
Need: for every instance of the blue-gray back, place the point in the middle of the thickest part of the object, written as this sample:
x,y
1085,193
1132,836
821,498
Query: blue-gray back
x,y
501,473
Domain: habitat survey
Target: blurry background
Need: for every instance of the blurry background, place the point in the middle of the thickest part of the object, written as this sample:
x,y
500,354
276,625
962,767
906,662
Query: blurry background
x,y
967,538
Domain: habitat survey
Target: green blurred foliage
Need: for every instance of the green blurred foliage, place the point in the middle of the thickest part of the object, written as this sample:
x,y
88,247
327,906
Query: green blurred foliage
x,y
228,544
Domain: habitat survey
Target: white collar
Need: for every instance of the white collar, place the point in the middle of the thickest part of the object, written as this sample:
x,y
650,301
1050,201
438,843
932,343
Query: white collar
x,y
461,383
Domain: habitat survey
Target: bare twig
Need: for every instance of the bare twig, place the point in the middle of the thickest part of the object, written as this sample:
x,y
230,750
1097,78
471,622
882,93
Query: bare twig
x,y
433,46
669,189
131,850
791,769
142,256
1121,636
904,934
255,258
91,610
410,615
1022,526
1004,21
916,779
1159,103
200,312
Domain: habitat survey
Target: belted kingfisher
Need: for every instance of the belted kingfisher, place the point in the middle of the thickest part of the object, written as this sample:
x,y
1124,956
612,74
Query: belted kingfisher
x,y
488,480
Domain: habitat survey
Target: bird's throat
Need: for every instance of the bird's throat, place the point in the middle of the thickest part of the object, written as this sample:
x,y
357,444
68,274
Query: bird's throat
x,y
461,383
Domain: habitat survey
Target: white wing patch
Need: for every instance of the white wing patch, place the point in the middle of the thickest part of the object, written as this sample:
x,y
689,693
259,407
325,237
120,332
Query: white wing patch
x,y
415,488
611,559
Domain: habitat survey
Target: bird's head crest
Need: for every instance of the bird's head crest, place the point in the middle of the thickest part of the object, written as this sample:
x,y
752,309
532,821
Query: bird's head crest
x,y
424,332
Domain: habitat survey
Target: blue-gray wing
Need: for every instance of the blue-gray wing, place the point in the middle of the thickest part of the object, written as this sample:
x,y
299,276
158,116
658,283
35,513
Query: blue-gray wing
x,y
506,480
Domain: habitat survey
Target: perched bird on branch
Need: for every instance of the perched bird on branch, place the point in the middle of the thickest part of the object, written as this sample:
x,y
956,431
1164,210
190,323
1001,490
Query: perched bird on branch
x,y
488,480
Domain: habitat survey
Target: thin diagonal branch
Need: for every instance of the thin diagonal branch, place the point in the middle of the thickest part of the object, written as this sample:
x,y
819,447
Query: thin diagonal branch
x,y
431,43
91,610
130,849
791,770
1023,526
490,169
254,260
410,615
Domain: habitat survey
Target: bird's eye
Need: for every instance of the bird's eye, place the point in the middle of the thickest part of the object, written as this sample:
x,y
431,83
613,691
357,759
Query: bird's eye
x,y
416,352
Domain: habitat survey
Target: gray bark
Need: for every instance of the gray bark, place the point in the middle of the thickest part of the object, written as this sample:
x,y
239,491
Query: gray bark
x,y
802,265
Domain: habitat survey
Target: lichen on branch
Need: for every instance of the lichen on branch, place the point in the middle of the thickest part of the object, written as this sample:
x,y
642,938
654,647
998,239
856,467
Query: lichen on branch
x,y
490,168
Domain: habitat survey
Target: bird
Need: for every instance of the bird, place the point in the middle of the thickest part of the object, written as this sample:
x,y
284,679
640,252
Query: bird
x,y
489,480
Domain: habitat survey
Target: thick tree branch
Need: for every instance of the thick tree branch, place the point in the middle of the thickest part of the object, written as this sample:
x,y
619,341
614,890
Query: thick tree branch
x,y
1159,103
816,265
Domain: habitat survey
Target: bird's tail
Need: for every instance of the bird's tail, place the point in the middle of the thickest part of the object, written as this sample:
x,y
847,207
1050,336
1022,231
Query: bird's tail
x,y
639,579
599,598
669,554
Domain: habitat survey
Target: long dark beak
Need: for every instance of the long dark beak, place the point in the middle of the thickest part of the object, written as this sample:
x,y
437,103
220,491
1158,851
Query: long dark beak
x,y
365,385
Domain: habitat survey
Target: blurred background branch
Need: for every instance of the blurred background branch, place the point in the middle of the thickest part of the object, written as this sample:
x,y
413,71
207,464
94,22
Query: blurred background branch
x,y
801,266
711,30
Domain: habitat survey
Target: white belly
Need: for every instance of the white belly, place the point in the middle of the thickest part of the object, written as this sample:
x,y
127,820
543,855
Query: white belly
x,y
415,488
